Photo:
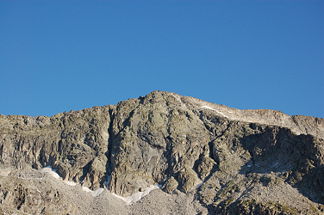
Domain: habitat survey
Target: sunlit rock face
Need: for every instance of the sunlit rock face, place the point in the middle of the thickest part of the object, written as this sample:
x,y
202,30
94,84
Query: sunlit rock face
x,y
229,161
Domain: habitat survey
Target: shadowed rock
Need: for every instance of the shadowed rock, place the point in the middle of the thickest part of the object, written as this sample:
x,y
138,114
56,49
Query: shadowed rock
x,y
223,156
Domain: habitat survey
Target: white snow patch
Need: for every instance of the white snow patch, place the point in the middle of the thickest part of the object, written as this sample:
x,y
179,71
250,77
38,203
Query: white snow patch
x,y
138,195
129,199
97,192
207,107
210,108
51,172
94,193
86,189
70,183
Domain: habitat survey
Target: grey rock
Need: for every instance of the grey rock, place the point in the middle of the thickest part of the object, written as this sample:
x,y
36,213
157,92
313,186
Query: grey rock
x,y
226,158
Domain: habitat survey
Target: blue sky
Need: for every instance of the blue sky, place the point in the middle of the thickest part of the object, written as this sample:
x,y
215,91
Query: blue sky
x,y
67,55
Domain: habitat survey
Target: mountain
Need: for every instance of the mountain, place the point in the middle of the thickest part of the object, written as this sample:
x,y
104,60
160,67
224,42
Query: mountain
x,y
162,154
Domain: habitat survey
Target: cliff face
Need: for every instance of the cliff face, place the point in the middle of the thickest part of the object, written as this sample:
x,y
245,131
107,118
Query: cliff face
x,y
232,161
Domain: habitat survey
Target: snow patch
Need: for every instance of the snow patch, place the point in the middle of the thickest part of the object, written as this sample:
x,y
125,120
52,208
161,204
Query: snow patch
x,y
94,193
129,199
86,189
210,108
97,192
51,172
70,183
138,195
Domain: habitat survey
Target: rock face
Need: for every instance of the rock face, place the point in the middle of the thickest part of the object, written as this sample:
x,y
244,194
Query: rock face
x,y
231,161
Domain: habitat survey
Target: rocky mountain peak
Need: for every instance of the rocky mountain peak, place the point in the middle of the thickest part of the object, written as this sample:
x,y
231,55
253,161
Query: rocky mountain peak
x,y
230,161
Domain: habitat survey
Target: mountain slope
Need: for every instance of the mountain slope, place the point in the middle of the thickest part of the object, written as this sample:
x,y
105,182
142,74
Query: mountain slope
x,y
220,159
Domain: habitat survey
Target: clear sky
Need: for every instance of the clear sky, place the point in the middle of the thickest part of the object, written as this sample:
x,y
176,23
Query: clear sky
x,y
67,55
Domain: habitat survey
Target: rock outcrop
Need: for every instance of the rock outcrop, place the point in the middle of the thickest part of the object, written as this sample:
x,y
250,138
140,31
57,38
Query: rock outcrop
x,y
232,161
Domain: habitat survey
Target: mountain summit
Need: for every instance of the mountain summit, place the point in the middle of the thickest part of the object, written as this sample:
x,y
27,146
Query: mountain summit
x,y
162,154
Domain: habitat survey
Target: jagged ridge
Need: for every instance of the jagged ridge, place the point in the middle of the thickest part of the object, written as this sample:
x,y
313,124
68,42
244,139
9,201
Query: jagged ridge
x,y
178,142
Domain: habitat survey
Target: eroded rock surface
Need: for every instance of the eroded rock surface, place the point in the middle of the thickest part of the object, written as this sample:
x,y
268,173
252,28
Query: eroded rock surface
x,y
227,161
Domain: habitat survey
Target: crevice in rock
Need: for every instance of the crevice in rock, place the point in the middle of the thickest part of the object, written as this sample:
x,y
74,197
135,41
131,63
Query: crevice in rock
x,y
114,143
211,149
168,155
109,153
85,171
228,126
200,114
